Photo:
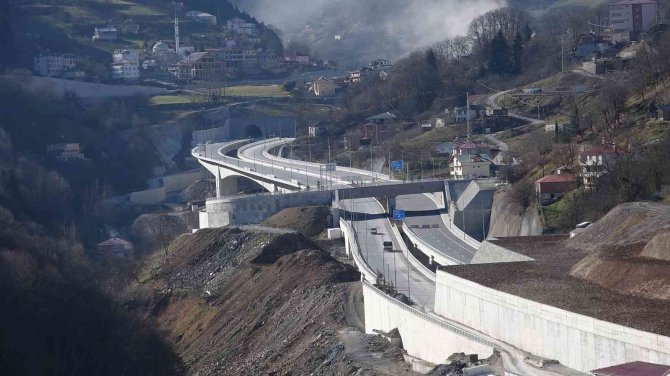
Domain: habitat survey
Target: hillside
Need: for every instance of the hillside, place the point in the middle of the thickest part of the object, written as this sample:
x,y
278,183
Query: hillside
x,y
629,250
60,27
256,300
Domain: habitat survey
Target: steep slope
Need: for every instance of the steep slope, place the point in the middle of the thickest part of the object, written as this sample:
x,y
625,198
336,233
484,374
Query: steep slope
x,y
251,301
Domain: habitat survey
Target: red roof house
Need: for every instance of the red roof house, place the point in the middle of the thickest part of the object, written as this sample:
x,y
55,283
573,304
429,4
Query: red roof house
x,y
552,187
633,369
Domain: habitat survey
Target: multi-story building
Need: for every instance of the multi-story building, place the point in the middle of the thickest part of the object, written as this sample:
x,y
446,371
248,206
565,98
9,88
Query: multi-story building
x,y
240,26
125,70
470,166
52,65
323,87
596,161
236,57
201,66
629,18
130,55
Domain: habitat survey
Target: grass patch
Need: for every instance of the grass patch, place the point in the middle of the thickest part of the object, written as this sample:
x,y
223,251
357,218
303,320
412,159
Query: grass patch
x,y
169,99
256,91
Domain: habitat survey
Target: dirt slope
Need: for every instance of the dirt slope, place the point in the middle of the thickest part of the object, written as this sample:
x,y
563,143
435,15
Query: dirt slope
x,y
253,301
629,250
309,220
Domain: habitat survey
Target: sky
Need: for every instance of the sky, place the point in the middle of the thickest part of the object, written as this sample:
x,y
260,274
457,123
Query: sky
x,y
387,27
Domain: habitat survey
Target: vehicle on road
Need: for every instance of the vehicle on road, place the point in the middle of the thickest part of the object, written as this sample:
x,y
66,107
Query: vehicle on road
x,y
373,231
388,245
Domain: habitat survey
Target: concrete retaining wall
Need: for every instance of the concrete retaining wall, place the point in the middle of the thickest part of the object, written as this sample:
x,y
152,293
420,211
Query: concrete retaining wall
x,y
87,90
351,246
424,336
577,341
253,209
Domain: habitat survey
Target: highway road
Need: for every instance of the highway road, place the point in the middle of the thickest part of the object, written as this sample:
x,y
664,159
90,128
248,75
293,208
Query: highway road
x,y
423,217
367,213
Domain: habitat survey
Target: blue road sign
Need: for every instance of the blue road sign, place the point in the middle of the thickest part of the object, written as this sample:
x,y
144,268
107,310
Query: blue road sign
x,y
397,165
398,214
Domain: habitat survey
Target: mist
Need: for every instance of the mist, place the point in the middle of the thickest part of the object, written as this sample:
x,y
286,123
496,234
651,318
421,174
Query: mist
x,y
368,28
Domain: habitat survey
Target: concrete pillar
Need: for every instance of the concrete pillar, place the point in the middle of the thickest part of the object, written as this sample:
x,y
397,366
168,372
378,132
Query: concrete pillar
x,y
431,260
227,187
336,217
217,179
390,204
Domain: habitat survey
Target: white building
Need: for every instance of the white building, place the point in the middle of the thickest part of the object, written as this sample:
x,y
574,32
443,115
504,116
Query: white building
x,y
470,166
628,18
105,33
130,55
461,114
202,17
54,64
240,26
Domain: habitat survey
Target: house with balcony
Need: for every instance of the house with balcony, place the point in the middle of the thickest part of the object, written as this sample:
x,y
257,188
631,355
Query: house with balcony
x,y
470,166
54,65
596,161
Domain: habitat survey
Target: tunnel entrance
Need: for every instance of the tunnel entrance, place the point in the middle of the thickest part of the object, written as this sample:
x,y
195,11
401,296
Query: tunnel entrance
x,y
252,131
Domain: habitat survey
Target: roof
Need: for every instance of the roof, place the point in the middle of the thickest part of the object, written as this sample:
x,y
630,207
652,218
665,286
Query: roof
x,y
601,150
193,57
558,178
114,241
663,106
472,145
634,369
110,29
385,116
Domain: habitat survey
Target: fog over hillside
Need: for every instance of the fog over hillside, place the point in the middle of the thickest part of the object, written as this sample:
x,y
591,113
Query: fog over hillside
x,y
370,28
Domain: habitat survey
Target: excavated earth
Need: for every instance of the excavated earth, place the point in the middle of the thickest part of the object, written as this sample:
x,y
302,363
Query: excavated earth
x,y
255,300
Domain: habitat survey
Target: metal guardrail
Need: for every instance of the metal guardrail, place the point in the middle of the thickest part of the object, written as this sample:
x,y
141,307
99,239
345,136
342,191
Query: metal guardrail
x,y
355,251
431,318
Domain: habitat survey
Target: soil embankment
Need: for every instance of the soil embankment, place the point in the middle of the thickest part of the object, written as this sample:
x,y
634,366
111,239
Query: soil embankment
x,y
260,301
629,250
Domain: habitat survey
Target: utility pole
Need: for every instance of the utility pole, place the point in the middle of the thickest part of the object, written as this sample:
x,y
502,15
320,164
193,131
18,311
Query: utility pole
x,y
467,111
562,54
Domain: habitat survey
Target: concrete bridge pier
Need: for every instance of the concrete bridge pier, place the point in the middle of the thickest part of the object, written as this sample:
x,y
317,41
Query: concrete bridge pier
x,y
335,210
390,205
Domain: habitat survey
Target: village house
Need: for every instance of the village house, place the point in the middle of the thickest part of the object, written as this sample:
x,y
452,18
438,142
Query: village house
x,y
554,186
240,26
315,131
462,114
297,58
470,166
323,87
54,65
125,65
105,33
592,45
633,369
596,161
201,17
64,153
201,66
381,65
663,112
383,118
115,247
